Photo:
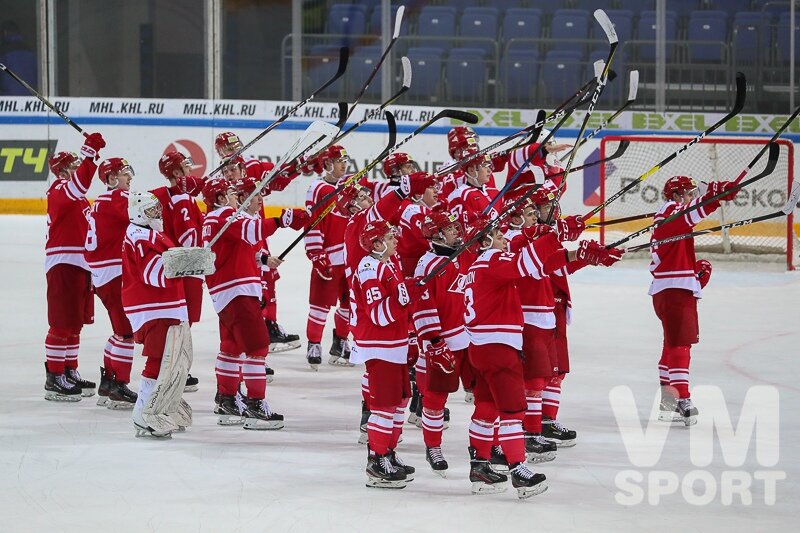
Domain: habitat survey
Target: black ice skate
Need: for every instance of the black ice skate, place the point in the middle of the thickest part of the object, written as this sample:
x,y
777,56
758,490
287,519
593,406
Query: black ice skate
x,y
57,388
258,416
554,432
437,461
120,397
687,411
401,466
229,409
106,382
363,438
498,460
87,387
446,418
279,340
485,480
314,355
191,384
382,474
269,372
340,352
538,450
526,482
414,405
668,408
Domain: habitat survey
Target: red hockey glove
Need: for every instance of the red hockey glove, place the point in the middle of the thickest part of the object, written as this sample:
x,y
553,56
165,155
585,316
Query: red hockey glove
x,y
702,270
718,187
190,185
595,253
439,355
92,145
499,162
570,228
413,187
294,218
537,230
322,266
408,292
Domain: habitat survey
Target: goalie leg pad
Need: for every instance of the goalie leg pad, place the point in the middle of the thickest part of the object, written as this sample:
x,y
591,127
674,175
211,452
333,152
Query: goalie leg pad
x,y
159,411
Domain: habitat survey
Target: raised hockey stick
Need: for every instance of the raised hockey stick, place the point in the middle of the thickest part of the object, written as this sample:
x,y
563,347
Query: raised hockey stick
x,y
42,99
772,161
344,56
199,260
620,220
523,198
741,95
791,204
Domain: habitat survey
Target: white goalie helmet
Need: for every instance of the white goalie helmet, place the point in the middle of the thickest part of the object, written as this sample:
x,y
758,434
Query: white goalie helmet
x,y
144,209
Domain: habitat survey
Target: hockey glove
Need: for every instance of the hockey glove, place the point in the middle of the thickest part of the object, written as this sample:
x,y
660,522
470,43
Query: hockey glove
x,y
595,253
537,230
702,270
92,145
322,266
570,228
413,187
294,218
438,355
718,187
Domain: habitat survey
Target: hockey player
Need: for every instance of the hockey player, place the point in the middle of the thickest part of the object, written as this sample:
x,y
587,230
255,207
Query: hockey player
x,y
677,284
394,166
542,166
494,324
469,200
156,308
439,321
226,144
381,304
70,304
108,223
325,248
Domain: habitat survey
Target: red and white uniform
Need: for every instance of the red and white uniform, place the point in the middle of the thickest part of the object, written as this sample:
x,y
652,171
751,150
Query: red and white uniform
x,y
441,312
411,244
146,293
328,236
536,294
468,201
385,209
537,171
67,212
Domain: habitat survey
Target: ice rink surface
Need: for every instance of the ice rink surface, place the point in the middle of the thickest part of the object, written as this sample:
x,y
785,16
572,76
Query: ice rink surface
x,y
78,467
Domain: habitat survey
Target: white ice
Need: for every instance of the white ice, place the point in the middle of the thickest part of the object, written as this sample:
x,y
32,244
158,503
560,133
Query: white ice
x,y
73,467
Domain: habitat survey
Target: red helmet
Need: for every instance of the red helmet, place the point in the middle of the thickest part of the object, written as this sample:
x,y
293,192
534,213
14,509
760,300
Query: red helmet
x,y
483,159
392,164
346,198
172,161
678,184
213,188
332,153
456,144
475,226
238,161
462,131
61,161
426,177
227,143
374,231
436,222
542,196
246,185
513,196
112,165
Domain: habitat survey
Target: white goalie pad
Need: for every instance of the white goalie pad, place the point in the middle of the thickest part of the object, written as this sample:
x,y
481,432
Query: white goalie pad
x,y
159,411
192,261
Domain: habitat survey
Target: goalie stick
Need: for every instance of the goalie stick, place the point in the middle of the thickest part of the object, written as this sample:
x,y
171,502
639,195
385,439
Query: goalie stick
x,y
791,204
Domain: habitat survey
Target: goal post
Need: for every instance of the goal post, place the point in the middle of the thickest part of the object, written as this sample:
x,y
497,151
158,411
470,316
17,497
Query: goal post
x,y
713,158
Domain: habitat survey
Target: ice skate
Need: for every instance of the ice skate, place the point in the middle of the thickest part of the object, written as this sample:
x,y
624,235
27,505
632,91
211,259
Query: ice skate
x,y
469,397
340,352
485,480
498,460
363,438
446,423
538,449
401,466
279,340
229,409
668,408
382,474
59,389
120,397
191,384
87,387
553,431
526,482
106,383
415,406
314,355
436,460
269,372
688,412
259,417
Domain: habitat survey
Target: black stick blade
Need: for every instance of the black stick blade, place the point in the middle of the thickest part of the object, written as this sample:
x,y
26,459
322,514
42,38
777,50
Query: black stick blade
x,y
344,58
741,93
463,116
342,115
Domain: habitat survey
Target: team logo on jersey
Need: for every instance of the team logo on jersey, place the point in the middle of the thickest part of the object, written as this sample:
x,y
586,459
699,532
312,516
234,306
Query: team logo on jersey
x,y
458,285
196,153
25,160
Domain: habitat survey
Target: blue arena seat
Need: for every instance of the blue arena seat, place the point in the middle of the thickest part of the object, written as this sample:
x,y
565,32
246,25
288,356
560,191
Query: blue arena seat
x,y
569,25
347,19
361,64
426,65
482,23
436,21
375,20
709,26
562,73
637,6
782,40
732,6
750,37
519,75
466,73
522,23
323,60
646,31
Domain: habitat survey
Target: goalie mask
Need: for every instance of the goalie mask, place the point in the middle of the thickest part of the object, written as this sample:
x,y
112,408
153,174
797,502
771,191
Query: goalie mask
x,y
144,209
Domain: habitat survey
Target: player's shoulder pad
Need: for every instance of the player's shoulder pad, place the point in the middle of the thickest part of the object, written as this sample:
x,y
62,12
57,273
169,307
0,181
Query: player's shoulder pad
x,y
368,268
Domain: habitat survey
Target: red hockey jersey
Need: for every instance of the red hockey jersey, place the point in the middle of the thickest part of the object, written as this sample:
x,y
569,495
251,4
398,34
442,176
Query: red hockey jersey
x,y
468,201
146,293
183,219
386,209
108,223
411,244
237,272
379,310
440,310
328,236
536,295
67,212
537,170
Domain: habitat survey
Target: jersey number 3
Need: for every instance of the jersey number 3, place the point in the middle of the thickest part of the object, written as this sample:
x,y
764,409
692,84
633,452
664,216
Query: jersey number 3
x,y
469,302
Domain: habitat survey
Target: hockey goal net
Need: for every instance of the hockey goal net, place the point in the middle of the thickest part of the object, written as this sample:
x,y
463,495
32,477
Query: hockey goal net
x,y
710,159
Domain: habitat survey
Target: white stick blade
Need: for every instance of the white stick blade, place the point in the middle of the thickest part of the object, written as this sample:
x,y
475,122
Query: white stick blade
x,y
406,71
398,20
323,128
599,67
794,198
633,85
605,23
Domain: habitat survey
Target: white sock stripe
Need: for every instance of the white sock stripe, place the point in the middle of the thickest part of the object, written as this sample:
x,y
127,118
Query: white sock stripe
x,y
379,429
123,360
486,433
219,372
479,436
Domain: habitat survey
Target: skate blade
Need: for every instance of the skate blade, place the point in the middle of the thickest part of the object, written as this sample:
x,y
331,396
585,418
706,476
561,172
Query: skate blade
x,y
566,443
469,398
689,420
263,425
314,366
278,347
118,406
669,416
56,397
500,469
363,438
150,434
527,492
270,379
441,473
414,420
102,401
340,361
229,420
479,487
376,483
191,388
536,458
87,393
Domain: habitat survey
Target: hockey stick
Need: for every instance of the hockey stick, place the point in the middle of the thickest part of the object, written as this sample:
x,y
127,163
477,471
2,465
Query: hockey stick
x,y
620,220
344,56
791,204
510,209
42,99
454,114
199,260
772,161
602,79
741,94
